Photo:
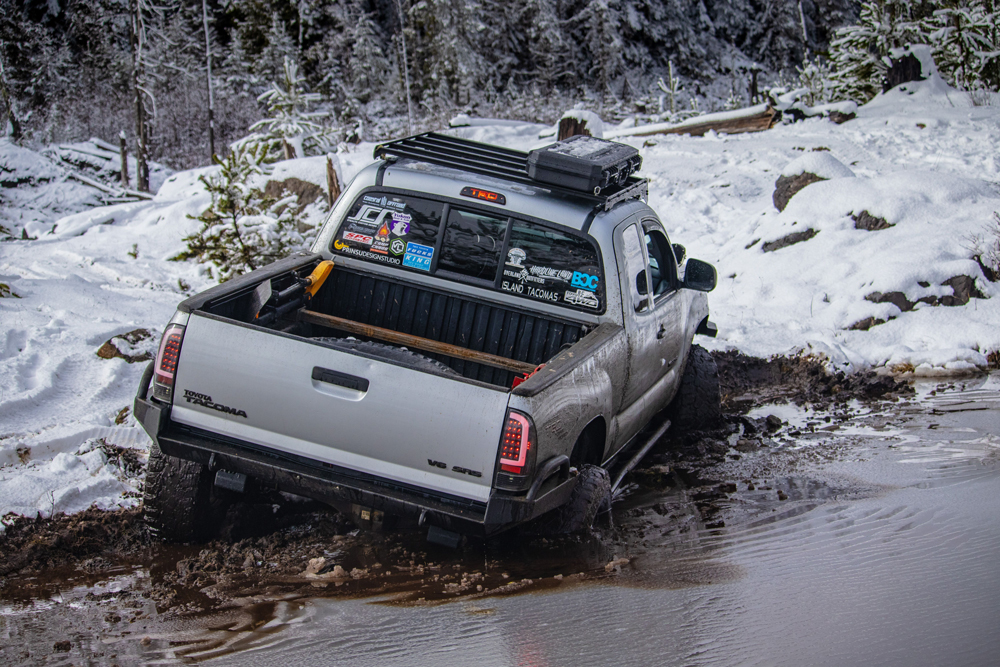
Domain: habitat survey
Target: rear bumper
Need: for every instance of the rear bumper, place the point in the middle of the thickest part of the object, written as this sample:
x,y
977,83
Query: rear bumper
x,y
349,489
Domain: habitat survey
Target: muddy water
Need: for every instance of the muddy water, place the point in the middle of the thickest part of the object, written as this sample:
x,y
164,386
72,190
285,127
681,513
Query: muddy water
x,y
869,540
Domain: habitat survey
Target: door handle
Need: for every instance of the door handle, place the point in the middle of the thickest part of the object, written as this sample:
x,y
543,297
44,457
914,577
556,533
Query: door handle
x,y
661,333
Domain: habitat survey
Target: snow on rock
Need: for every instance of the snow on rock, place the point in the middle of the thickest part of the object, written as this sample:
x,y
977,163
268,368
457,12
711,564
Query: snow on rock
x,y
589,119
820,163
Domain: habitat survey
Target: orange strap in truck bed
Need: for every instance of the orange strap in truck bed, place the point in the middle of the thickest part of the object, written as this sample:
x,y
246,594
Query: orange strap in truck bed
x,y
417,342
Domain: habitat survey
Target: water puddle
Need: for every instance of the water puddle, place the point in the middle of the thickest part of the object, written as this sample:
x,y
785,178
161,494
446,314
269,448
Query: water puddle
x,y
874,542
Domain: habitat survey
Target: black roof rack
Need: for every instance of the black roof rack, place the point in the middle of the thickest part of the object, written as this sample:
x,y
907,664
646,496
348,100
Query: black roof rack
x,y
499,162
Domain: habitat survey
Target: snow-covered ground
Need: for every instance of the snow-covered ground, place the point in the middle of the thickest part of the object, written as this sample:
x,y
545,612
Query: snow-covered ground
x,y
923,159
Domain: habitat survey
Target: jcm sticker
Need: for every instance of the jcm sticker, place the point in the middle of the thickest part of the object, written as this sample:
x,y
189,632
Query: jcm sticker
x,y
585,281
418,256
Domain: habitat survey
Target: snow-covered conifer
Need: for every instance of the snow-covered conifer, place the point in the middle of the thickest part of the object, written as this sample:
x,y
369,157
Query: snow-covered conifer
x,y
369,66
243,229
290,129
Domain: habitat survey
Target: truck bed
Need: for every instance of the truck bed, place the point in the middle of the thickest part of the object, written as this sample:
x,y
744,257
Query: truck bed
x,y
437,315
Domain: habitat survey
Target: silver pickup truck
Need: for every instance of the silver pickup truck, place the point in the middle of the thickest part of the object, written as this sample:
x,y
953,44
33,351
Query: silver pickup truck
x,y
465,344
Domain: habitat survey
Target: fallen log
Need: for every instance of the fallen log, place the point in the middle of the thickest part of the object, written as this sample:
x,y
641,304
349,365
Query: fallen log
x,y
754,119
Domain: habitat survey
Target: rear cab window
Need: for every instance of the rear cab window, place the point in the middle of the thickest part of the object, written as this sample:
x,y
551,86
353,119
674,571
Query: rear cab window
x,y
482,247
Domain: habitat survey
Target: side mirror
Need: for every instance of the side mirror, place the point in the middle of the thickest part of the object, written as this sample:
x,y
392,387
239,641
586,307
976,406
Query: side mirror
x,y
699,276
680,252
642,287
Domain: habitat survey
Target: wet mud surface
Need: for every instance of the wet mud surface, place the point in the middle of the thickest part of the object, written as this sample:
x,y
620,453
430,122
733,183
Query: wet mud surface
x,y
96,589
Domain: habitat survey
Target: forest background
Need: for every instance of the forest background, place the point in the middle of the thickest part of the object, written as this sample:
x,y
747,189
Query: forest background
x,y
348,70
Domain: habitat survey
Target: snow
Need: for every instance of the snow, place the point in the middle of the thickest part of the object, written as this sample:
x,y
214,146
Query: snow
x,y
820,163
920,156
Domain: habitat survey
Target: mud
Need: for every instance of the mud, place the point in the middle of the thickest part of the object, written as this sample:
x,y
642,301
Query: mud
x,y
266,546
747,382
280,549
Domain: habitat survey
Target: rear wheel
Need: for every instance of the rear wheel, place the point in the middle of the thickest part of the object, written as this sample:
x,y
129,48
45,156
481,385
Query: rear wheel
x,y
177,498
591,495
698,404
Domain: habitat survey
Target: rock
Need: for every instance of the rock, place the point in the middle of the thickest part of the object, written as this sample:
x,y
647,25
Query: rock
x,y
315,566
840,117
902,70
62,647
305,192
964,288
127,347
897,299
787,186
773,423
616,564
791,239
866,324
782,495
869,222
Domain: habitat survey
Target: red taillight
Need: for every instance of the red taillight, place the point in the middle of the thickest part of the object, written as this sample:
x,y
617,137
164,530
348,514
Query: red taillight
x,y
166,361
515,444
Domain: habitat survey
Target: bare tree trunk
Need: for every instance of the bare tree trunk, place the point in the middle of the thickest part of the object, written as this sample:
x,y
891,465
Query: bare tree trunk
x,y
208,78
136,37
333,186
123,146
15,124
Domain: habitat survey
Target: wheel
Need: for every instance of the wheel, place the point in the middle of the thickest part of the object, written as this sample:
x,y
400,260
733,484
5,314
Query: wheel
x,y
698,404
177,498
390,352
591,494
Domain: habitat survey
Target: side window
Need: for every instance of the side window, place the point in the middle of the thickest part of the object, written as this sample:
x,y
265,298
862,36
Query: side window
x,y
635,266
662,266
394,230
472,244
546,264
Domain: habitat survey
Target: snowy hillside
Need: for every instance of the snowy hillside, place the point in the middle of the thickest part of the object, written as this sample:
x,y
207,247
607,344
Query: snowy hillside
x,y
920,159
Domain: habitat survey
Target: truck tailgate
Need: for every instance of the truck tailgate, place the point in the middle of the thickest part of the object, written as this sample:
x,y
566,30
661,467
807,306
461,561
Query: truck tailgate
x,y
390,421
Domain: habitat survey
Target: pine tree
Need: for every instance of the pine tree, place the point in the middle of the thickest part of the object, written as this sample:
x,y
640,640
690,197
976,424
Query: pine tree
x,y
601,40
964,41
370,69
291,129
858,51
243,228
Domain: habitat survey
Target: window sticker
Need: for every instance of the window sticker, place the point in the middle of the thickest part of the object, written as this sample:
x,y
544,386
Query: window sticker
x,y
397,246
581,297
367,254
585,281
553,274
354,237
515,256
380,243
529,291
418,256
400,227
523,276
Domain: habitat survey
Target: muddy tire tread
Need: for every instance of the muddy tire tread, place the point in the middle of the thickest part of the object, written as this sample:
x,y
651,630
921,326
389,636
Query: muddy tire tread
x,y
591,494
698,405
176,497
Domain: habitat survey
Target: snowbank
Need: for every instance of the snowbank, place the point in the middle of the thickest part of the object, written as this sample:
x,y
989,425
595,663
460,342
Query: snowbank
x,y
920,159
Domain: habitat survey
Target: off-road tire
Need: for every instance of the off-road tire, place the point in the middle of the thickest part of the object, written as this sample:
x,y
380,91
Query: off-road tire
x,y
177,498
591,495
392,353
698,404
